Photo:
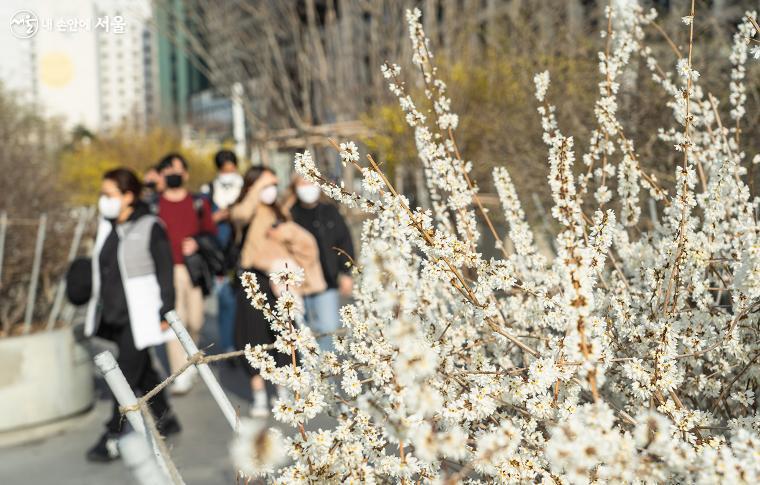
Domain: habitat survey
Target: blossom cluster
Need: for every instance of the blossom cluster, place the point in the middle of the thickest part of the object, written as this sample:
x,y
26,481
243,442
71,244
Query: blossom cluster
x,y
630,355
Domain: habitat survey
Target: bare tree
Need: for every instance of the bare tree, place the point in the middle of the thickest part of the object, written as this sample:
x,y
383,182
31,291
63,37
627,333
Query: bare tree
x,y
29,186
310,69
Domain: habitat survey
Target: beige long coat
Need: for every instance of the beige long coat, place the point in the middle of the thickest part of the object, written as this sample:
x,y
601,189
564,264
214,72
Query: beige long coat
x,y
268,249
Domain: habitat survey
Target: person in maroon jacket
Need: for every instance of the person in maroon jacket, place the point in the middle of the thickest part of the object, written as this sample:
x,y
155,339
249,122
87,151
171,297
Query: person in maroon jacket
x,y
185,218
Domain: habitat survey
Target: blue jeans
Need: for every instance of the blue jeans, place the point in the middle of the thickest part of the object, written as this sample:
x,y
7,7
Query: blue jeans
x,y
225,296
321,314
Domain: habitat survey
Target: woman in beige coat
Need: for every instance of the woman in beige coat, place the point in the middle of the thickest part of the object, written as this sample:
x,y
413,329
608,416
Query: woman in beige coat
x,y
268,241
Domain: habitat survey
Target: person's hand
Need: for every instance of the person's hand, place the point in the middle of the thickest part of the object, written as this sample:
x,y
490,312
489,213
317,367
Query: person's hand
x,y
276,232
220,215
164,325
189,246
345,285
266,179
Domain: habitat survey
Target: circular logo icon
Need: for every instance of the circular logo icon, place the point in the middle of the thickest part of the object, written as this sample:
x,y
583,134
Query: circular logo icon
x,y
24,24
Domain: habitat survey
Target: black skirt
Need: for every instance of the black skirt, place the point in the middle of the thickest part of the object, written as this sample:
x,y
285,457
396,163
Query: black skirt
x,y
250,325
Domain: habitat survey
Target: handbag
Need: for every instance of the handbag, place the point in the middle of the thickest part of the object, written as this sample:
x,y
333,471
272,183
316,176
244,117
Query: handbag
x,y
200,273
79,281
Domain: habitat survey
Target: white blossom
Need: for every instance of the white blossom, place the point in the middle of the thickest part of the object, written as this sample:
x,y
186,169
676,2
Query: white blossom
x,y
349,153
628,353
257,448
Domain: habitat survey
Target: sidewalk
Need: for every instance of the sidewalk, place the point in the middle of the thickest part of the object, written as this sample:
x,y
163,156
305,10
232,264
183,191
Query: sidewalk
x,y
201,451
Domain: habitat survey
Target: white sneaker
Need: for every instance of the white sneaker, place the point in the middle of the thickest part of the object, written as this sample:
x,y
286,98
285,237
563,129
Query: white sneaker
x,y
258,411
182,384
260,406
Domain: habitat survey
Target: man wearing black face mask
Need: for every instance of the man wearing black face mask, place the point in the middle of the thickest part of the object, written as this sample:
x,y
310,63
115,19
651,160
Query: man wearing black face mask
x,y
186,218
153,185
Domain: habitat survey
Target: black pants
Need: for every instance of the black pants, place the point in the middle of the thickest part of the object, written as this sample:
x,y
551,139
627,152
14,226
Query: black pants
x,y
139,371
252,328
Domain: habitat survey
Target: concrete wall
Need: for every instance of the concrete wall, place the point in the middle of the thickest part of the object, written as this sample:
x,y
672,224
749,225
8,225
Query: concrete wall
x,y
43,377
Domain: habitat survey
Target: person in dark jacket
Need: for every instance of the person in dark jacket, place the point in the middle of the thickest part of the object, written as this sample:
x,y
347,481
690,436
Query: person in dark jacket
x,y
222,192
132,288
336,250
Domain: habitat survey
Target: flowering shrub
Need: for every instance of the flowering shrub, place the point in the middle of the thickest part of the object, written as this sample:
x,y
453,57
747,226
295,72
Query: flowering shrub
x,y
629,356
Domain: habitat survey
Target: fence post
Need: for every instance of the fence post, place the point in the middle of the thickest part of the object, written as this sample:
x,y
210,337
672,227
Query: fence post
x,y
84,216
137,456
125,396
204,370
3,230
32,296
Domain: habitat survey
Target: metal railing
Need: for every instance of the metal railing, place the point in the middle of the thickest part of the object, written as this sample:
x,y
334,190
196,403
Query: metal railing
x,y
161,469
83,216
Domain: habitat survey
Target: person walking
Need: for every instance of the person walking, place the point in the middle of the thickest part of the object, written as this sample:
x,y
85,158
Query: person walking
x,y
186,218
268,241
222,192
336,251
153,185
132,289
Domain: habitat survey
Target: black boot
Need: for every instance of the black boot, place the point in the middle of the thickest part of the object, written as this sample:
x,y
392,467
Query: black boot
x,y
168,425
105,450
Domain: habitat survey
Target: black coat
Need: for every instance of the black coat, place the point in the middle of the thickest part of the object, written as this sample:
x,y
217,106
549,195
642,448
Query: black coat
x,y
79,275
208,261
326,224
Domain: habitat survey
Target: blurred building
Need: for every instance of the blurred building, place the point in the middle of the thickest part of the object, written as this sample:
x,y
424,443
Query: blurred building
x,y
17,55
127,65
90,63
179,74
188,100
210,115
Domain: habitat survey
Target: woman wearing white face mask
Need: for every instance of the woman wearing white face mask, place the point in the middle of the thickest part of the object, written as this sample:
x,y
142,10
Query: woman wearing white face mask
x,y
131,289
324,222
268,240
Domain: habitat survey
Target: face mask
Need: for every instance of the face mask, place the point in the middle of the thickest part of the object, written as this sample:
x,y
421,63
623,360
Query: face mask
x,y
268,195
227,189
308,194
173,180
109,207
230,179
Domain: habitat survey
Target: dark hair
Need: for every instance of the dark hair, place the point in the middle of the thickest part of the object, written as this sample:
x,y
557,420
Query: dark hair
x,y
250,178
167,161
126,181
225,156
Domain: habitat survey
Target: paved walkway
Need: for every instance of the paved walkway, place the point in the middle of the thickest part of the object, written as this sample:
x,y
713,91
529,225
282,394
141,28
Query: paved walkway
x,y
200,451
